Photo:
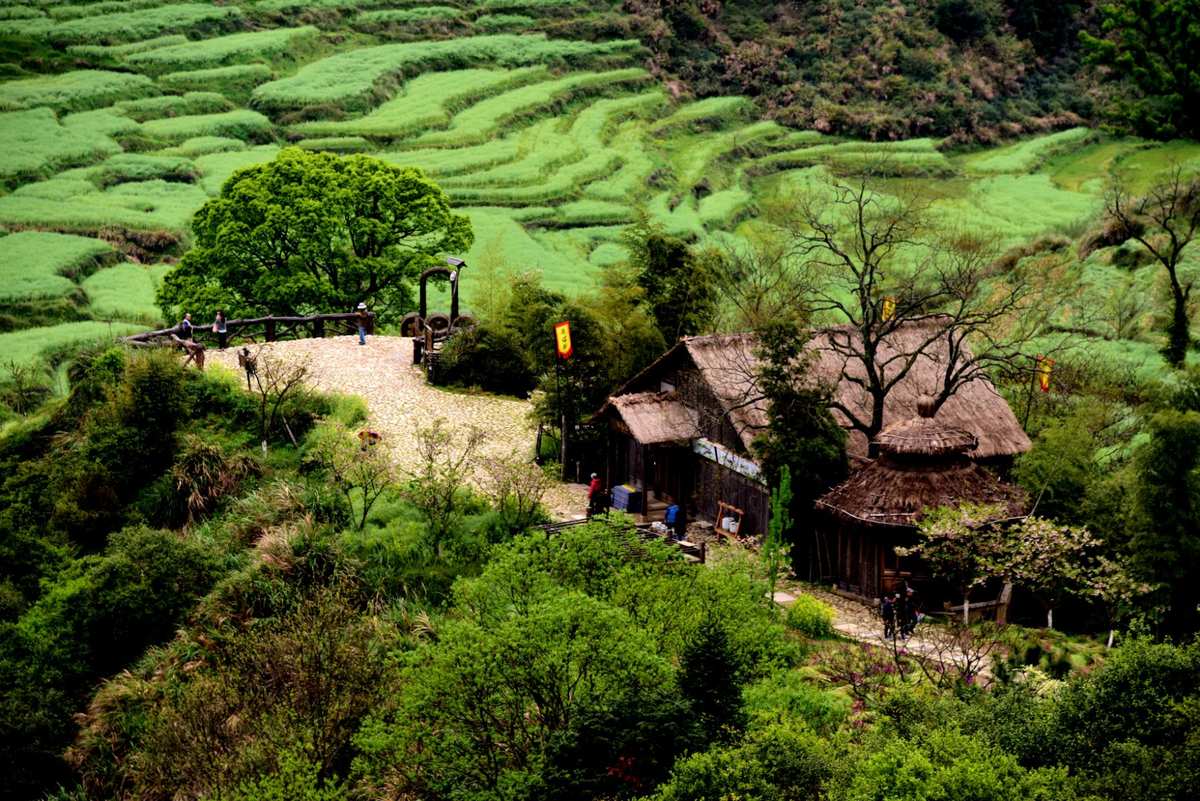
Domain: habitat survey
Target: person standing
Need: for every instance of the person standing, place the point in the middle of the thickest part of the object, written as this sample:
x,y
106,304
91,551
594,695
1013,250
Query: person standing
x,y
594,495
912,612
221,329
362,320
185,327
901,611
887,610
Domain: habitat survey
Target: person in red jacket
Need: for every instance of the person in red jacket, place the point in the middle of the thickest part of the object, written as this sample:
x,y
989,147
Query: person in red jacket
x,y
594,495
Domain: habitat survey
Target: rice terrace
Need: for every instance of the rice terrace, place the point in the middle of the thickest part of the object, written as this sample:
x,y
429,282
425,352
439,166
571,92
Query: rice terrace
x,y
487,400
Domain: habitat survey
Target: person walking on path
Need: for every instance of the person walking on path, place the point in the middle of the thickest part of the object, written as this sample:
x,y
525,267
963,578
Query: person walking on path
x,y
594,495
185,327
901,607
221,329
887,610
911,614
362,323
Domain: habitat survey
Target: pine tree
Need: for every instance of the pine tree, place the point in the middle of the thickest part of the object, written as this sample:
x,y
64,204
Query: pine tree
x,y
709,676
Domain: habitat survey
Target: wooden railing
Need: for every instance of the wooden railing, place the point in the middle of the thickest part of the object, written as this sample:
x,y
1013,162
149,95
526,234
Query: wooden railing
x,y
261,329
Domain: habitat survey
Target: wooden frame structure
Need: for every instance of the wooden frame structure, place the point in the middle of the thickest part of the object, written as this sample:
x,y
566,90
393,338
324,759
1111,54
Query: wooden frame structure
x,y
261,329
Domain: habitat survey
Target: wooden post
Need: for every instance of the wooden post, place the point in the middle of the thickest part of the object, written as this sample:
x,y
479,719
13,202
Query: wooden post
x,y
270,329
319,327
371,323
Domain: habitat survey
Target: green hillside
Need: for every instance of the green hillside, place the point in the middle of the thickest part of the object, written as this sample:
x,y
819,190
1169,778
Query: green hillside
x,y
223,591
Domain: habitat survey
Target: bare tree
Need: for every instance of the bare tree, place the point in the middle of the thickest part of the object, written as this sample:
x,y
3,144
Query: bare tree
x,y
516,487
444,464
359,468
1164,221
275,382
906,291
762,284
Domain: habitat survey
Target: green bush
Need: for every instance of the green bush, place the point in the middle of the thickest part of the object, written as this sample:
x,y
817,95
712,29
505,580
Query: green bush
x,y
488,357
810,617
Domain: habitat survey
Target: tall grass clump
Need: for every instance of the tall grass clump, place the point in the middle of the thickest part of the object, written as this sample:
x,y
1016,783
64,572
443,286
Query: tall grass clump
x,y
33,145
356,79
708,113
235,82
125,167
224,50
175,105
130,26
407,16
501,5
28,346
427,101
119,51
443,162
249,126
216,168
482,120
37,264
203,145
80,90
1030,154
123,292
103,121
504,22
811,617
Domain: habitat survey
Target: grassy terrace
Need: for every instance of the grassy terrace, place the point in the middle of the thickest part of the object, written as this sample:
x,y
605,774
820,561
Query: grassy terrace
x,y
552,144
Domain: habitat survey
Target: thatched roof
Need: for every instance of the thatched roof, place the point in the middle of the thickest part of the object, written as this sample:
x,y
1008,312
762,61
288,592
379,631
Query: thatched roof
x,y
655,417
923,465
925,436
729,367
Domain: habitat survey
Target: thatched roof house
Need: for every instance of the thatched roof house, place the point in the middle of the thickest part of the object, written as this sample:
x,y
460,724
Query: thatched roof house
x,y
923,463
683,427
727,367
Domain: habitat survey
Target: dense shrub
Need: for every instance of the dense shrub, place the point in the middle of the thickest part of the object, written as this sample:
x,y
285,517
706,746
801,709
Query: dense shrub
x,y
93,619
488,357
810,617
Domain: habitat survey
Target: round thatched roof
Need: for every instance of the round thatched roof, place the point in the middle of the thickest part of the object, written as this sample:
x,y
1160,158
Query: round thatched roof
x,y
922,465
925,436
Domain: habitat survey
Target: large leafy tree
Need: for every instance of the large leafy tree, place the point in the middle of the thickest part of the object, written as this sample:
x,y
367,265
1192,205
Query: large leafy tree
x,y
679,282
315,232
1166,515
1153,48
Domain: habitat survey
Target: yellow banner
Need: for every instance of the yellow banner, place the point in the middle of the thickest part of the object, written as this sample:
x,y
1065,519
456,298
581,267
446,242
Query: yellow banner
x,y
889,307
1045,367
562,339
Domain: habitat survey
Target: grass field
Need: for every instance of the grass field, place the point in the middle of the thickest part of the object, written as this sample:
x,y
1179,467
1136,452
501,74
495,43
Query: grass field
x,y
550,144
36,265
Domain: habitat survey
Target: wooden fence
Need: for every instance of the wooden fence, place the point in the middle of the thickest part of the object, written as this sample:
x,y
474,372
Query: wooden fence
x,y
261,329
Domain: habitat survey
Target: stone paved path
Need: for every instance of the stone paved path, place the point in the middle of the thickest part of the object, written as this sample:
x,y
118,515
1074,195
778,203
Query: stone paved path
x,y
854,619
399,401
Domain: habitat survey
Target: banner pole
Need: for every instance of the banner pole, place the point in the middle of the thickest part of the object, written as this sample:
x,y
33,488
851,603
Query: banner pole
x,y
562,419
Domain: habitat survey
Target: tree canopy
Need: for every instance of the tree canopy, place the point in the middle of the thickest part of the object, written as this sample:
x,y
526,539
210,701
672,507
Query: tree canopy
x,y
315,232
1151,47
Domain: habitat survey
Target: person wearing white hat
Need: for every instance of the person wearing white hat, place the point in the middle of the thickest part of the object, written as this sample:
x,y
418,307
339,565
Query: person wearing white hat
x,y
362,323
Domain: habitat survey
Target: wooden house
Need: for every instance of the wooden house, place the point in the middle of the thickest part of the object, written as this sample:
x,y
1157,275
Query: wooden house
x,y
682,430
923,463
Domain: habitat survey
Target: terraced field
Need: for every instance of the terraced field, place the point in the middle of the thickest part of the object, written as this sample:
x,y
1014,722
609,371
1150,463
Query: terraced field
x,y
550,139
